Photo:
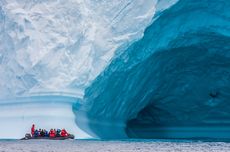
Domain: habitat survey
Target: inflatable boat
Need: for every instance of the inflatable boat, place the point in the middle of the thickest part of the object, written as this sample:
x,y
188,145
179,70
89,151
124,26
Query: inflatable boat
x,y
28,137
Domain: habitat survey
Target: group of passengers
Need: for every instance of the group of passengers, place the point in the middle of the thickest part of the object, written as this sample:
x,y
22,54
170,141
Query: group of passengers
x,y
52,133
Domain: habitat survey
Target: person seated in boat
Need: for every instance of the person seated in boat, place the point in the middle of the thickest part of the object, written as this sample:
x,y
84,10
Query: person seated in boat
x,y
32,130
58,133
36,133
55,132
64,133
39,131
52,133
42,133
46,133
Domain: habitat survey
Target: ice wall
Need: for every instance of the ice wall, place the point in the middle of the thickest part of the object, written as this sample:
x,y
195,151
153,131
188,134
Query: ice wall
x,y
45,111
173,83
61,46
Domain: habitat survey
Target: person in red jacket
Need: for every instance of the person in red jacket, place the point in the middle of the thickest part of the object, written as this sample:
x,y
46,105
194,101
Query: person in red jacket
x,y
51,133
32,130
64,133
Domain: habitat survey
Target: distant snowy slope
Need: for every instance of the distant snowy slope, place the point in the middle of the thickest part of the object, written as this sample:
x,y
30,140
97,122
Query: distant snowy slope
x,y
61,46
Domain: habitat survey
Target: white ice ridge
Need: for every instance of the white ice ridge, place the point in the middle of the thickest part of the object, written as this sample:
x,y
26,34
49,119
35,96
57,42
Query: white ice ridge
x,y
61,46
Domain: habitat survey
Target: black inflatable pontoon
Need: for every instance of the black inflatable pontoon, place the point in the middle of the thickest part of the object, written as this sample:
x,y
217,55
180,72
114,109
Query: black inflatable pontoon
x,y
28,137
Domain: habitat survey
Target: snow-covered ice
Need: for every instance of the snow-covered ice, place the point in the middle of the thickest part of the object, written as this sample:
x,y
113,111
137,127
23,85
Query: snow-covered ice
x,y
61,46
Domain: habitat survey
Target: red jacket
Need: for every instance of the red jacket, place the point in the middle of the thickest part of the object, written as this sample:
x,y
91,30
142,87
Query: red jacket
x,y
32,129
52,133
64,133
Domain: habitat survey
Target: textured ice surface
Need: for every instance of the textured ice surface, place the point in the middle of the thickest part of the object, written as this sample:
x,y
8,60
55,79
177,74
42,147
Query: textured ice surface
x,y
61,46
173,83
112,146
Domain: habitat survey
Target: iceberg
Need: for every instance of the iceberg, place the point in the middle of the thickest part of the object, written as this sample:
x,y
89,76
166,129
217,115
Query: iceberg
x,y
50,51
172,83
116,69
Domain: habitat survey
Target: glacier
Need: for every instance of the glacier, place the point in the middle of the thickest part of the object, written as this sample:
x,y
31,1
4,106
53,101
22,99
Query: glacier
x,y
172,83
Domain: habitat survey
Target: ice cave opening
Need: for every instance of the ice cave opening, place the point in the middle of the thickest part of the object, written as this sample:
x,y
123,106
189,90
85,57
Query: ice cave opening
x,y
192,94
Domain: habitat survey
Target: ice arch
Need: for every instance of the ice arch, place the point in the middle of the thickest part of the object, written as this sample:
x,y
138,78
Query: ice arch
x,y
173,83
